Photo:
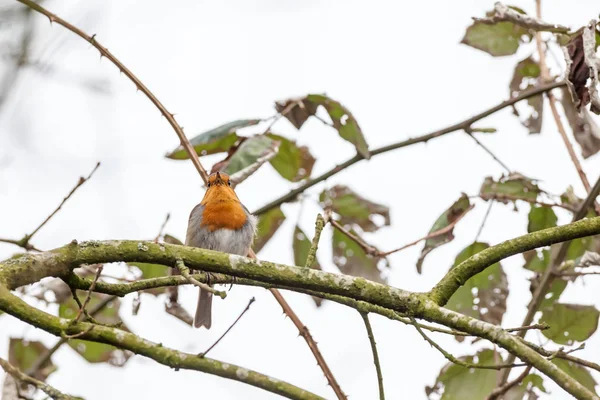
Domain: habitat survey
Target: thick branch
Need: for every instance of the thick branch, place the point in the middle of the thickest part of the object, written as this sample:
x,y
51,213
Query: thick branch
x,y
458,275
463,125
128,341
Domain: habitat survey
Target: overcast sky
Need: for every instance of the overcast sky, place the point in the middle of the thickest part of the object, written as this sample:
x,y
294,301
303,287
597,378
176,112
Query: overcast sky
x,y
398,66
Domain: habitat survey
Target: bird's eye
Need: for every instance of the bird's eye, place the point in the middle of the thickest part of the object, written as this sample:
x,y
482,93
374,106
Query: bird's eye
x,y
208,185
229,183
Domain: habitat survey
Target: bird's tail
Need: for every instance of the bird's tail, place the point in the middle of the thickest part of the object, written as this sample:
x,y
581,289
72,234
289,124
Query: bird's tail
x,y
203,315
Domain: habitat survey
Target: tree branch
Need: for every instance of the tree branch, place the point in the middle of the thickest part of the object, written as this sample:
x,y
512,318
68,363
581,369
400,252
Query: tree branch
x,y
139,85
365,318
458,275
49,390
291,195
499,391
156,351
185,272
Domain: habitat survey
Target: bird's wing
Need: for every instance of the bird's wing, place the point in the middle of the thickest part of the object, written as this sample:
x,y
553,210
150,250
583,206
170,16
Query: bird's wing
x,y
194,224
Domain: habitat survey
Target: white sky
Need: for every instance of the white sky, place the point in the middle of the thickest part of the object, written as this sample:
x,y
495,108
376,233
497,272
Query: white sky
x,y
397,66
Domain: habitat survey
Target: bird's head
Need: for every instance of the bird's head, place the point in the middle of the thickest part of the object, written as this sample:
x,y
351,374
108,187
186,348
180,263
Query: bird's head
x,y
218,179
219,189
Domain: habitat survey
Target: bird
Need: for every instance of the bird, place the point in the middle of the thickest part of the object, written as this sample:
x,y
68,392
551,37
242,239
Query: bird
x,y
222,223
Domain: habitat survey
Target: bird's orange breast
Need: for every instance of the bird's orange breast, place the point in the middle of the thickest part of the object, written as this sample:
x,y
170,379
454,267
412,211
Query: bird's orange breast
x,y
222,210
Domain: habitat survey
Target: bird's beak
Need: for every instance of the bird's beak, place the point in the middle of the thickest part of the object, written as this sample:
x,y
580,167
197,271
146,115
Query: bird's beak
x,y
219,179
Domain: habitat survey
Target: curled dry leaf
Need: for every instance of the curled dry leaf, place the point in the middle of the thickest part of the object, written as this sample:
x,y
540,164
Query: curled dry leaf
x,y
525,77
355,209
585,129
448,218
582,69
216,140
342,119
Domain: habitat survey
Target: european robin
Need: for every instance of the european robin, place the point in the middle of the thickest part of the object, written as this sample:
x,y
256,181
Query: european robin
x,y
221,223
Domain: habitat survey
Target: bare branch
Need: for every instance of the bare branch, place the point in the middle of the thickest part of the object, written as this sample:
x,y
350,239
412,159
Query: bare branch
x,y
290,196
88,296
319,225
487,150
365,318
49,390
138,84
162,228
504,13
228,329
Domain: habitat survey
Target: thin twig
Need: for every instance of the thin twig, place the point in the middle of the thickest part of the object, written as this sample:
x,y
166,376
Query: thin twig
x,y
228,329
501,390
355,238
562,355
319,225
487,150
162,228
139,85
365,318
485,218
20,376
291,195
458,361
185,272
88,297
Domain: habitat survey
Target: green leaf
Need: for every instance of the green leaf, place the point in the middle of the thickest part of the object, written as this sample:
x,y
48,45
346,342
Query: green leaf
x,y
24,354
351,259
268,224
518,392
292,162
484,295
509,188
150,270
247,154
214,141
500,39
569,322
301,246
448,217
461,383
343,121
91,351
581,374
354,209
541,218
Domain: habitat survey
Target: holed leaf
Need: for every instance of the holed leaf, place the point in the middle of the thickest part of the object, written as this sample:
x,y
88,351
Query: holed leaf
x,y
509,188
24,355
351,259
580,373
91,351
292,162
301,246
354,209
499,39
524,77
541,218
569,322
484,295
343,120
216,140
585,129
448,217
268,224
459,383
248,153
